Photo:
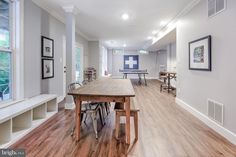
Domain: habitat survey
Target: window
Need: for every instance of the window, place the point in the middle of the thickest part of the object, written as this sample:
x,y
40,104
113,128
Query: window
x,y
5,50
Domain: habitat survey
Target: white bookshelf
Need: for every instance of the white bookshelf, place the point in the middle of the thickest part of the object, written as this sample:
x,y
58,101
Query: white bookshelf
x,y
21,118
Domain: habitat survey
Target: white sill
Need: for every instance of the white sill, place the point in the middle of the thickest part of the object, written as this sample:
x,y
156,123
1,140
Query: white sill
x,y
9,102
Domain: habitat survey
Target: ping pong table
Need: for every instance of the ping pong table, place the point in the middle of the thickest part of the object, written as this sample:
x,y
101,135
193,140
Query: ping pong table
x,y
126,72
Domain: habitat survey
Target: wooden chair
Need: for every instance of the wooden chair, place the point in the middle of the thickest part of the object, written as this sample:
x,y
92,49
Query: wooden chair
x,y
120,111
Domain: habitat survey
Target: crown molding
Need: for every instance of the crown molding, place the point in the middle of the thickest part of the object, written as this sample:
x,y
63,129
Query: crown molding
x,y
171,25
70,9
58,17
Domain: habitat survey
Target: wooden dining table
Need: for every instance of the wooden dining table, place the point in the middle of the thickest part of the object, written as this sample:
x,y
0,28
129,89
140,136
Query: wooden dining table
x,y
104,90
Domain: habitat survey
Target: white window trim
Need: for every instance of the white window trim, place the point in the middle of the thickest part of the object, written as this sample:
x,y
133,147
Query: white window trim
x,y
17,51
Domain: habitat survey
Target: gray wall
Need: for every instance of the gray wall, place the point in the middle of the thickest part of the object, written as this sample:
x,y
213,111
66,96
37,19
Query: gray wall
x,y
171,57
195,87
32,49
38,22
94,55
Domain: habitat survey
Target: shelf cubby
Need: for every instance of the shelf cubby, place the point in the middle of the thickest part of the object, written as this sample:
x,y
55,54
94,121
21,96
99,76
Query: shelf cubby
x,y
19,119
5,135
22,121
39,112
52,105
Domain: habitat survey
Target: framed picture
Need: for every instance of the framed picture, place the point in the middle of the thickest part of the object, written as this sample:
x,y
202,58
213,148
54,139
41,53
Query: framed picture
x,y
200,54
47,68
47,47
131,62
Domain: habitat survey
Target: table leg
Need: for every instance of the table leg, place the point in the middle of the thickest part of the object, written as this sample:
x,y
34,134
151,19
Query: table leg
x,y
127,126
168,86
145,79
78,113
139,79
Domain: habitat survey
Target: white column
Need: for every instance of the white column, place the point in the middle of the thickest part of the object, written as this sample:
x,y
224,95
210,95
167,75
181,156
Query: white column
x,y
70,50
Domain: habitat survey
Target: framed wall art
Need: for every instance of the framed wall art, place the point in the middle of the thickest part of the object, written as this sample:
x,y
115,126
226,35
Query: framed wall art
x,y
200,54
47,68
131,62
47,47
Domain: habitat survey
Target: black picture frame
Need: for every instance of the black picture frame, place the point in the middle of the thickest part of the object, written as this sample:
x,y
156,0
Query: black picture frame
x,y
208,65
44,49
44,75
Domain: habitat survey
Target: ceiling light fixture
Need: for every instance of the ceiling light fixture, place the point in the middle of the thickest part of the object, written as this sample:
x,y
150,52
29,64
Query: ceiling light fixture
x,y
125,16
124,45
149,37
154,32
163,23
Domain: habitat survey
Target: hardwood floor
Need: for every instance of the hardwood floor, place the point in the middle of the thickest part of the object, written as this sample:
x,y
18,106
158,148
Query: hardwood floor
x,y
165,130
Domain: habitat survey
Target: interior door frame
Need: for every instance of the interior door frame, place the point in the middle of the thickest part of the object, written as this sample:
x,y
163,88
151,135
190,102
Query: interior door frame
x,y
80,46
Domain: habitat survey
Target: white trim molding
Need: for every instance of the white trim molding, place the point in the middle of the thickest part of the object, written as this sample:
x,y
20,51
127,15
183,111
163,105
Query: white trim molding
x,y
58,16
70,9
172,24
213,125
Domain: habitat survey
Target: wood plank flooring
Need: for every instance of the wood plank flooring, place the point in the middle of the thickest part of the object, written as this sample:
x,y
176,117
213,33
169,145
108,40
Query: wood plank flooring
x,y
165,130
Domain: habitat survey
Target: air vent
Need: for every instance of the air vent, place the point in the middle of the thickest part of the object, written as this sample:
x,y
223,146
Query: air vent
x,y
215,111
215,7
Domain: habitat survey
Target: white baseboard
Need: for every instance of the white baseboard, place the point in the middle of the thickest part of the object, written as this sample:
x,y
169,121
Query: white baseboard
x,y
218,128
133,77
69,106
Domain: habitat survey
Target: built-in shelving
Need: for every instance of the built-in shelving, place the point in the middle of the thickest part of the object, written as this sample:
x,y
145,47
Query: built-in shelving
x,y
19,119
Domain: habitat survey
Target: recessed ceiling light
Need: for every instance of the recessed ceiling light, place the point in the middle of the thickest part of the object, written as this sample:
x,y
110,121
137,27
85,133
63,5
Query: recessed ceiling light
x,y
124,45
163,23
154,32
125,16
143,51
149,37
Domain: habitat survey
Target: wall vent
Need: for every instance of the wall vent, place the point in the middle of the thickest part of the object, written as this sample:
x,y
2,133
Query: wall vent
x,y
215,111
215,7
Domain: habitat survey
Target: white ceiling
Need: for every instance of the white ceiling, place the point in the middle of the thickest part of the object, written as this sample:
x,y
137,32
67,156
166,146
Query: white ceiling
x,y
100,19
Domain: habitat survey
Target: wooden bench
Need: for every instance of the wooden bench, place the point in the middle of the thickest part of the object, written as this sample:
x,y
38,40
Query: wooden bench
x,y
120,111
20,118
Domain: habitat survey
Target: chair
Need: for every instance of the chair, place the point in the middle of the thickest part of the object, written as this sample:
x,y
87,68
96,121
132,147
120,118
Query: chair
x,y
120,111
88,108
162,76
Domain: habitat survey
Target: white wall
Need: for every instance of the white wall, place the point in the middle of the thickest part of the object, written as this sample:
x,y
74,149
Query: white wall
x,y
195,87
38,22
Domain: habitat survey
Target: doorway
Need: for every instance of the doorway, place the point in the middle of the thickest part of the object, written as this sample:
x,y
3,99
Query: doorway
x,y
79,57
